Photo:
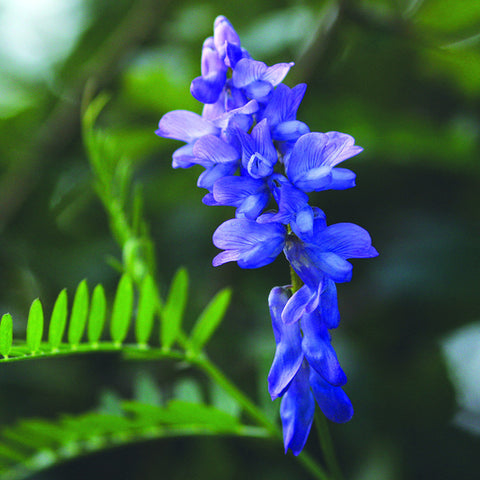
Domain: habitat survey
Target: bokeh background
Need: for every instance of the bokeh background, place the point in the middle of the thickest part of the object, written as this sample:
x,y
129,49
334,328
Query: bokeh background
x,y
402,77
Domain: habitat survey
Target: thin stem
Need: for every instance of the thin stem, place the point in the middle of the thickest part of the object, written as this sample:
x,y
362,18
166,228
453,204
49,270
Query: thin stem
x,y
326,444
254,412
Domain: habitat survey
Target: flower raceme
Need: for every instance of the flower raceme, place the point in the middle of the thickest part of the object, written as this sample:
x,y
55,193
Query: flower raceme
x,y
264,162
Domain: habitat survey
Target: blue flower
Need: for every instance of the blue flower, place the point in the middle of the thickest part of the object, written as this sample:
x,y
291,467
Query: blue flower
x,y
227,42
281,112
258,153
217,156
207,87
250,244
293,207
310,166
327,252
297,410
249,195
188,127
258,80
305,367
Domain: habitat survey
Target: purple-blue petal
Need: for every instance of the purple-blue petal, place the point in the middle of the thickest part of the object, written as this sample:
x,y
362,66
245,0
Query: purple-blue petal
x,y
342,178
254,244
289,130
276,73
212,174
333,265
333,401
247,71
260,90
329,304
346,240
224,34
207,89
296,411
211,150
340,147
185,125
319,351
288,354
296,305
183,157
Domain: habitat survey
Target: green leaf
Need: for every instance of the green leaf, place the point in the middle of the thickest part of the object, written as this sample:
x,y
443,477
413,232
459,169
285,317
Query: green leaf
x,y
35,326
78,317
172,312
209,320
96,319
179,412
58,320
148,304
6,334
122,310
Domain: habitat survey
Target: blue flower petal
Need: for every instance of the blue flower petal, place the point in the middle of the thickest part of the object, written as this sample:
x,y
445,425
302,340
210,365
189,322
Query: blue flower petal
x,y
346,240
336,267
211,150
247,71
329,304
288,354
223,35
340,147
259,90
208,178
318,350
313,157
303,262
252,244
342,178
207,89
296,411
333,401
297,305
290,130
183,157
249,195
185,125
276,73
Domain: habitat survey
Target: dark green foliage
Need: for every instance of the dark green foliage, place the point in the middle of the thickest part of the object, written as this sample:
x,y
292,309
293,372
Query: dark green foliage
x,y
34,445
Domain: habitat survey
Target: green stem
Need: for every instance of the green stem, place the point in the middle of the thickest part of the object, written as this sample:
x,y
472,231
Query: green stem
x,y
326,444
254,412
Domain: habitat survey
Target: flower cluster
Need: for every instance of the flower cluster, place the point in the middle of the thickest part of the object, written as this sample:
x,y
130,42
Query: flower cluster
x,y
264,162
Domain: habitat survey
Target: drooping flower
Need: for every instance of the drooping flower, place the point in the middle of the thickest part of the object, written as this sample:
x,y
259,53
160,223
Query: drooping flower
x,y
305,367
257,154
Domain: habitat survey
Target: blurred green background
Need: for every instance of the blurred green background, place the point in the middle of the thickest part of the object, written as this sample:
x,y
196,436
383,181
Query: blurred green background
x,y
402,77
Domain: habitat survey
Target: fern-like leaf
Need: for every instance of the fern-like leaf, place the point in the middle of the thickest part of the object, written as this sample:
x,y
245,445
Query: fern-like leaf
x,y
34,445
6,334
